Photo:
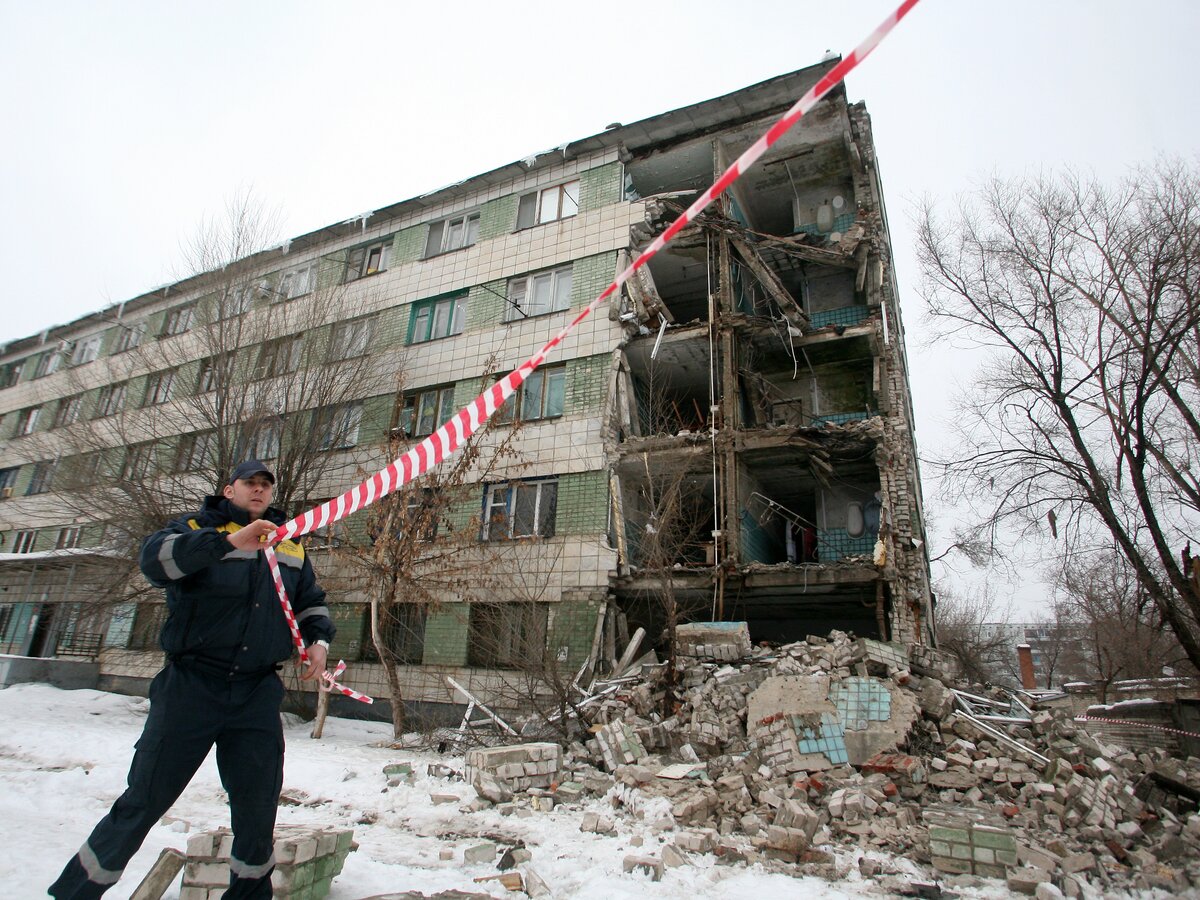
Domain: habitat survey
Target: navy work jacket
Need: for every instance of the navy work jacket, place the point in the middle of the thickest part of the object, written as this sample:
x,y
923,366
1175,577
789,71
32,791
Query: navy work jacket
x,y
223,610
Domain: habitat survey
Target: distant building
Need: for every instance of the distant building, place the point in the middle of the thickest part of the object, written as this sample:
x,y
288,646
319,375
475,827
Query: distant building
x,y
761,356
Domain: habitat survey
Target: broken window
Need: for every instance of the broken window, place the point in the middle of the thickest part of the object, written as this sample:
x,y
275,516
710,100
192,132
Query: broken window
x,y
538,293
548,205
452,234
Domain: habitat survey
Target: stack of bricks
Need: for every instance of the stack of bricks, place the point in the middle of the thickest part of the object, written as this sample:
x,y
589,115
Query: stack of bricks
x,y
619,744
718,641
519,767
959,846
306,862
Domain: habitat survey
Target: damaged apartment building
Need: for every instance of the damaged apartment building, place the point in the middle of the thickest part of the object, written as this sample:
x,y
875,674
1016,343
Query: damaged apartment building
x,y
729,439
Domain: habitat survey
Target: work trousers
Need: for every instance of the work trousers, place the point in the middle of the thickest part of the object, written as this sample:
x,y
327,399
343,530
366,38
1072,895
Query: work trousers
x,y
191,710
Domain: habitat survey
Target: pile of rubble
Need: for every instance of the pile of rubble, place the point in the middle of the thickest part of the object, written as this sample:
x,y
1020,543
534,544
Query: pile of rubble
x,y
778,755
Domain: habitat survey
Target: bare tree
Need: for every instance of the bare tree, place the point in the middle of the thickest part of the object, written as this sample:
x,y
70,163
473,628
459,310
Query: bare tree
x,y
260,365
1083,298
970,628
1119,633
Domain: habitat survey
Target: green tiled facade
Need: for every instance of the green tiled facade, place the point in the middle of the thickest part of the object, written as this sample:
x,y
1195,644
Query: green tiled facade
x,y
582,503
600,186
587,384
446,635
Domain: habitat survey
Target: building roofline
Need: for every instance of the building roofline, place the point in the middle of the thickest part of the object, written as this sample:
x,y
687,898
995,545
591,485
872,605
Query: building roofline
x,y
718,113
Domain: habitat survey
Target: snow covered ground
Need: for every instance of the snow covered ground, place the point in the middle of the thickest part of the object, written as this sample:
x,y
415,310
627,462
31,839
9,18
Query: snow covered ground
x,y
64,757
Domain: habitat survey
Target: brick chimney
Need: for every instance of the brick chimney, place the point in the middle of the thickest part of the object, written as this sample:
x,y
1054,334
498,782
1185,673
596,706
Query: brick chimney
x,y
1025,660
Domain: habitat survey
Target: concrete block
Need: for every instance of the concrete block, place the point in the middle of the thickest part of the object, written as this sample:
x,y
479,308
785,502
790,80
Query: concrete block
x,y
647,865
479,853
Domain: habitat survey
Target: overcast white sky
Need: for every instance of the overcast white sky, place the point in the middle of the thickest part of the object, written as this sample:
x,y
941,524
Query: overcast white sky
x,y
126,124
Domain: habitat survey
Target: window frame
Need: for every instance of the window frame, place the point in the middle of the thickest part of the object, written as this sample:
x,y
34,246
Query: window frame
x,y
48,363
130,338
86,350
507,635
410,651
8,480
330,422
10,373
27,421
441,233
111,400
358,263
408,413
24,541
186,458
352,338
271,353
297,281
68,537
69,411
531,205
138,460
518,402
424,317
172,326
160,387
509,505
42,481
521,287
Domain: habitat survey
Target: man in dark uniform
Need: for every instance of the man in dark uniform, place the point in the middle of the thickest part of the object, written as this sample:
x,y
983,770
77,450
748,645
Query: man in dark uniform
x,y
225,638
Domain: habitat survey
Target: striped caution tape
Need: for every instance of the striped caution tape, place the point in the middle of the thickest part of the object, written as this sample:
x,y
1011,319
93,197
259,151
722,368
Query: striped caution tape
x,y
1137,725
329,682
447,439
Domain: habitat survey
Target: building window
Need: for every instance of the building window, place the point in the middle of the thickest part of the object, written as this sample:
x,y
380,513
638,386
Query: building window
x,y
47,363
337,428
520,509
297,281
539,293
43,477
10,373
436,318
423,411
548,204
68,411
23,541
112,398
137,462
421,513
178,320
507,635
351,338
68,538
540,397
84,470
196,451
27,420
129,338
214,371
159,387
86,350
452,234
402,627
278,357
263,442
364,261
232,301
8,481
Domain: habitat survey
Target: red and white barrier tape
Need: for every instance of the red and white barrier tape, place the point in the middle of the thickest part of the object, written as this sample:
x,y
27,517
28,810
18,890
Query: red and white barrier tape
x,y
449,437
1137,724
326,677
329,682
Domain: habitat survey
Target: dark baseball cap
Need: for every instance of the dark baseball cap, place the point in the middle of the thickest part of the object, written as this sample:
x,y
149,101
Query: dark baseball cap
x,y
249,469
